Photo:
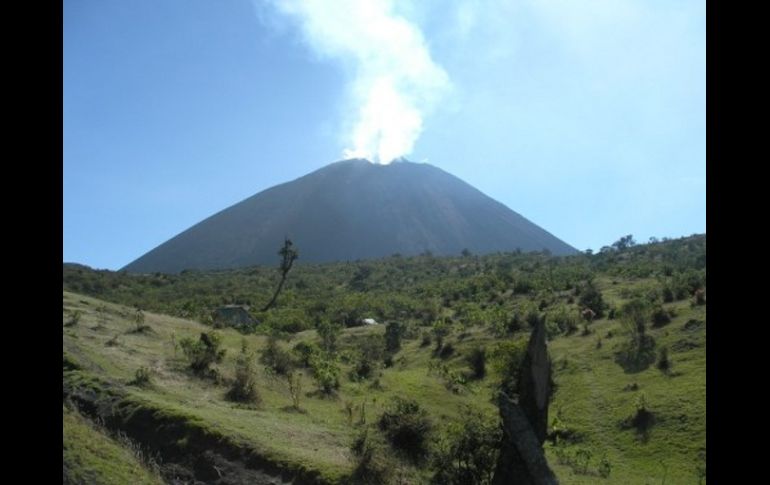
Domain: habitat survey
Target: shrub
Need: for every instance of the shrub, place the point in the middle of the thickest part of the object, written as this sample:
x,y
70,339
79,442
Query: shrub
x,y
304,351
591,297
426,339
667,293
364,366
139,320
446,351
291,320
664,363
440,330
142,377
329,332
406,426
244,387
275,358
325,372
295,388
506,361
393,332
660,317
477,360
203,352
582,459
468,453
642,419
372,465
638,351
635,315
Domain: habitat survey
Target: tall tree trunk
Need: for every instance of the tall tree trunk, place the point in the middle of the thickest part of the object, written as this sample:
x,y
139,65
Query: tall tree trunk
x,y
275,295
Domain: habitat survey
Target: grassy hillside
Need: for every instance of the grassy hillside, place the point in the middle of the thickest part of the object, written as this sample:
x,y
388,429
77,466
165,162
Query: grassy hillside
x,y
470,302
91,456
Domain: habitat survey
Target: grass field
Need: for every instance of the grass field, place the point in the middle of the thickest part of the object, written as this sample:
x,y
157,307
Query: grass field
x,y
590,399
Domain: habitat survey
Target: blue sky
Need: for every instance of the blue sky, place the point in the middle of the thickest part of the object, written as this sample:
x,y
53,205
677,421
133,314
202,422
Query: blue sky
x,y
585,116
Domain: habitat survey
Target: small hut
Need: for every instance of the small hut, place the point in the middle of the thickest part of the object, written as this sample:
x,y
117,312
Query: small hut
x,y
232,316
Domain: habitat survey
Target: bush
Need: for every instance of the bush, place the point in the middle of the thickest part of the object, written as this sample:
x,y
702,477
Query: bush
x,y
393,333
667,293
507,357
446,351
142,377
139,320
426,339
664,363
329,332
468,453
642,419
564,320
203,352
325,372
372,465
582,459
634,316
440,330
406,426
304,351
364,367
294,379
591,297
289,320
660,317
275,358
477,360
244,387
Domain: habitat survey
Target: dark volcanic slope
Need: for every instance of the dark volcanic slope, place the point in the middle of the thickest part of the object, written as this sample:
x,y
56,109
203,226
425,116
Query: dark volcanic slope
x,y
352,210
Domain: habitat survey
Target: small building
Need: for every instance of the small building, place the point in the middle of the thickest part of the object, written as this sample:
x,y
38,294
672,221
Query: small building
x,y
369,321
232,316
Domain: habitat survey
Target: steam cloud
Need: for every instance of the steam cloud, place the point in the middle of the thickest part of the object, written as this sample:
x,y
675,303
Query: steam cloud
x,y
396,82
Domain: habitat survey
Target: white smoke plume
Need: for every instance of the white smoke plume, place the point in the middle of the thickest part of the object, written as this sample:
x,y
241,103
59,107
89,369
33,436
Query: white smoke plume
x,y
396,83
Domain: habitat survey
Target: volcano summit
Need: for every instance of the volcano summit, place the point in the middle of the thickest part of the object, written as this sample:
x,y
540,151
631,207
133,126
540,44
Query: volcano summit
x,y
351,210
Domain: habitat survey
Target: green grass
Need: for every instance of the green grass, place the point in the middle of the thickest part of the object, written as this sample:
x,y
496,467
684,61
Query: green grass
x,y
92,457
593,401
590,391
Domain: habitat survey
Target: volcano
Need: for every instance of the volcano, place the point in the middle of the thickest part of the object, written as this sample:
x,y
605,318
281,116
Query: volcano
x,y
350,210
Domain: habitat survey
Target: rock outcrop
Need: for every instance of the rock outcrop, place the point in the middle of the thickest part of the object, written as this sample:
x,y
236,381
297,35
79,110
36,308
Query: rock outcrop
x,y
524,423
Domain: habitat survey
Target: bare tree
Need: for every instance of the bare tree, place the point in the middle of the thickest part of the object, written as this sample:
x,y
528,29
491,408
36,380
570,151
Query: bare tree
x,y
288,256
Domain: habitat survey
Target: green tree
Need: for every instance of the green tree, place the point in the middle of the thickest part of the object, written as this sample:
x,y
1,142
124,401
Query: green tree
x,y
624,242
